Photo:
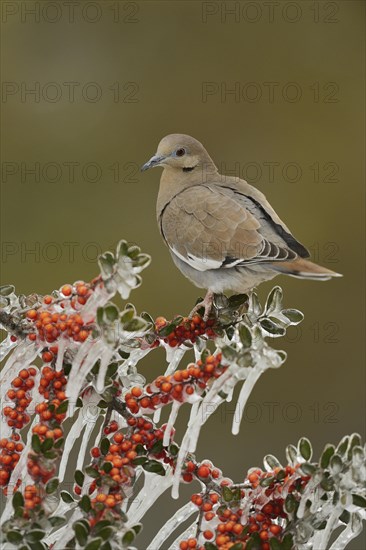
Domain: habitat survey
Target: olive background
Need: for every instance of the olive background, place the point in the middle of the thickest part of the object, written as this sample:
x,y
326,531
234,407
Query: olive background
x,y
164,57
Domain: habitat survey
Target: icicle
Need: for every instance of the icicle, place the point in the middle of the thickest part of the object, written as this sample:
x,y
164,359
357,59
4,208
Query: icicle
x,y
174,360
352,531
99,298
153,488
308,495
204,410
245,392
179,517
20,467
62,344
62,536
327,532
84,361
188,533
83,419
6,346
104,362
84,443
72,436
24,355
170,425
156,417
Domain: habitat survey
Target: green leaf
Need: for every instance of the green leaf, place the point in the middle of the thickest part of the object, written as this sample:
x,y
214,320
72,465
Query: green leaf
x,y
36,443
274,300
287,542
237,546
18,500
308,468
104,445
137,324
127,315
345,517
107,466
107,532
267,481
52,485
359,501
128,537
165,331
336,464
326,456
210,546
85,503
61,409
271,327
79,477
290,503
6,290
57,521
254,542
35,535
227,494
238,300
139,460
137,528
14,537
305,448
343,445
355,441
111,313
245,335
173,449
50,454
47,444
291,454
275,544
293,315
157,447
154,467
59,443
66,497
272,462
81,533
101,524
92,472
94,544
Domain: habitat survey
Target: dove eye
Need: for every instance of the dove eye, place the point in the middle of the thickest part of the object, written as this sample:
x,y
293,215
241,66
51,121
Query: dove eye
x,y
180,152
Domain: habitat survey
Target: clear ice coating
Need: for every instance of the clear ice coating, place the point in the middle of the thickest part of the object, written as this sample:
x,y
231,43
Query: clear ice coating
x,y
121,339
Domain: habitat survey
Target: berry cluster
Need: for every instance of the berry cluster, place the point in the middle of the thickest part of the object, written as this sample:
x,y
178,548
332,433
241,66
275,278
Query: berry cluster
x,y
17,418
32,498
178,386
9,456
222,507
174,334
115,460
48,433
50,326
19,394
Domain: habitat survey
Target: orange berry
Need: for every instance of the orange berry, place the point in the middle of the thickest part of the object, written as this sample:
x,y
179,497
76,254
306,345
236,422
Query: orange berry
x,y
66,290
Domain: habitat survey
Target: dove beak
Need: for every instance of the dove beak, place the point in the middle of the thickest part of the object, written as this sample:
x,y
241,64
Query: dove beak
x,y
156,160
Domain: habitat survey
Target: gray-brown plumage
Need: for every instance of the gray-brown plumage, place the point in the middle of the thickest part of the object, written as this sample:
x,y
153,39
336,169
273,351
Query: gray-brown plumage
x,y
221,232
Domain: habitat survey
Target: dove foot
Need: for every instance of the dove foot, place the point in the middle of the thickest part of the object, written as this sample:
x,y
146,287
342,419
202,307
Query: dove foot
x,y
206,303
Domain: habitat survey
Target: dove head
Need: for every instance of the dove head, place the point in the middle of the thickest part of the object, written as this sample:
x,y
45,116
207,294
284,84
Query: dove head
x,y
180,153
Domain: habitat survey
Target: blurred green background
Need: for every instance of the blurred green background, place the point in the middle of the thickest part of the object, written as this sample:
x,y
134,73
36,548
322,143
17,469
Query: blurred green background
x,y
109,80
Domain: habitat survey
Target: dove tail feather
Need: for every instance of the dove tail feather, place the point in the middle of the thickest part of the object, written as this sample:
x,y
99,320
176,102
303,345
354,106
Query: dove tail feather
x,y
305,269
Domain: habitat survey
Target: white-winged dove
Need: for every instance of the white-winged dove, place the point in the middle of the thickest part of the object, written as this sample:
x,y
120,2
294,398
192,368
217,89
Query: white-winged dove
x,y
221,232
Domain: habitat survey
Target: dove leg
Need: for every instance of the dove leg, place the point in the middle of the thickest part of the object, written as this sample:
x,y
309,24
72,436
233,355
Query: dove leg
x,y
206,303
